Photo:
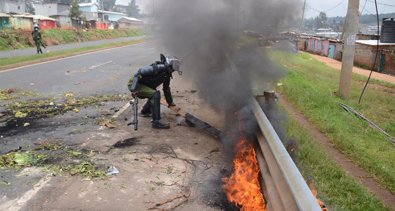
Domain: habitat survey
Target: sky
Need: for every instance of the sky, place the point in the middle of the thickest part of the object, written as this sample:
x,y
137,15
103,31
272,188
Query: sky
x,y
144,5
339,7
313,7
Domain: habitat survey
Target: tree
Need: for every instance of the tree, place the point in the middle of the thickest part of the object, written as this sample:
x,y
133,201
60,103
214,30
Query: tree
x,y
108,4
132,9
321,20
29,7
75,12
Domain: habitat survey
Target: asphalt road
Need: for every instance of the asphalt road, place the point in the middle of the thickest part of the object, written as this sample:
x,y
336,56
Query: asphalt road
x,y
102,72
166,163
32,51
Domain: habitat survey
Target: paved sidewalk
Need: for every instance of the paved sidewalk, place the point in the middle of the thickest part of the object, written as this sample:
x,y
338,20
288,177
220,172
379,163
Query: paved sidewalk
x,y
32,51
338,65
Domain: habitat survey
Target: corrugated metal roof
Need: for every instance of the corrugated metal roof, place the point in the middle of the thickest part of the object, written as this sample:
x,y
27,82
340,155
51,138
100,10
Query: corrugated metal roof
x,y
372,42
131,19
110,12
22,16
41,17
87,4
4,15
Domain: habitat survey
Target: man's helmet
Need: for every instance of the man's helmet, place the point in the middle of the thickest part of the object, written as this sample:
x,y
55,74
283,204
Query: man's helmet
x,y
174,63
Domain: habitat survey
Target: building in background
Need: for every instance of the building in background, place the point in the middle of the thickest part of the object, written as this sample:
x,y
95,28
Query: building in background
x,y
12,6
365,53
4,21
130,23
44,22
58,11
90,10
21,22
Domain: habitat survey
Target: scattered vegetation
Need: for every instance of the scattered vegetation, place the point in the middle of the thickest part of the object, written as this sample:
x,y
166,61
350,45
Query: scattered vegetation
x,y
9,94
55,158
20,112
22,159
16,39
310,86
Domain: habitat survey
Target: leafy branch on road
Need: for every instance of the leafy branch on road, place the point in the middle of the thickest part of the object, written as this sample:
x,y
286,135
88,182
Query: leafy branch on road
x,y
56,158
20,112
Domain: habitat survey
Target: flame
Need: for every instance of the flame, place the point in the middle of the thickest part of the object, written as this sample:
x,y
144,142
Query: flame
x,y
242,187
315,193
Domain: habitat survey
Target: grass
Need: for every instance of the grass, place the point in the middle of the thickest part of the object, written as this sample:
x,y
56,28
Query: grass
x,y
25,60
17,39
339,190
310,86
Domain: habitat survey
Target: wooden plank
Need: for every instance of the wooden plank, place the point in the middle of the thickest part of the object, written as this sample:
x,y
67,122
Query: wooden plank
x,y
194,121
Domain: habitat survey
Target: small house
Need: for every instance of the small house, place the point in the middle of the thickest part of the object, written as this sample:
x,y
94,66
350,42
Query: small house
x,y
130,23
109,16
335,49
318,45
365,53
4,21
23,22
44,22
57,11
90,10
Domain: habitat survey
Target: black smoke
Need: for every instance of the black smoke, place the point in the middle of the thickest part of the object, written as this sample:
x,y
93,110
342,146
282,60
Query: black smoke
x,y
208,36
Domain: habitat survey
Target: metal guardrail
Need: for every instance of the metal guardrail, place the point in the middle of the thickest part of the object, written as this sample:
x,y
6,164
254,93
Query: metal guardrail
x,y
285,186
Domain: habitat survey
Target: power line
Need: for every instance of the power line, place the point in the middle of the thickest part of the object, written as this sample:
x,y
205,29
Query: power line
x,y
377,52
337,5
364,5
325,11
389,5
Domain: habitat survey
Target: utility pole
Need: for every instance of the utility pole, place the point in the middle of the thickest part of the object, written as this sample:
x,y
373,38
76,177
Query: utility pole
x,y
350,33
304,9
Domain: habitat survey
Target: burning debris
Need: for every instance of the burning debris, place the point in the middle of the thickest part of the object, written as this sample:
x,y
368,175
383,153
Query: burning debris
x,y
243,187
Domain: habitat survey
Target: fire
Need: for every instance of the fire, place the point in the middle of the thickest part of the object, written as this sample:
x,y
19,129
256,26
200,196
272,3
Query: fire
x,y
315,193
242,187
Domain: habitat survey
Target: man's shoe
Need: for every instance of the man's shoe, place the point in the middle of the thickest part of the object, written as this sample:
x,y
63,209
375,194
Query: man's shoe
x,y
160,125
145,114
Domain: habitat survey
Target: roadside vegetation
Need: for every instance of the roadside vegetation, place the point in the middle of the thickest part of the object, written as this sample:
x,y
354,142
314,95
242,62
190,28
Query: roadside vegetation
x,y
337,189
311,85
17,39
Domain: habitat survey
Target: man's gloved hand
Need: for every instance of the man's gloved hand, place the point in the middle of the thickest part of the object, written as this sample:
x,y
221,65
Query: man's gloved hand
x,y
134,94
171,105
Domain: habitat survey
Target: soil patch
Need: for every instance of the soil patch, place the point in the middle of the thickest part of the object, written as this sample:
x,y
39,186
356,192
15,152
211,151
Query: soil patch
x,y
337,65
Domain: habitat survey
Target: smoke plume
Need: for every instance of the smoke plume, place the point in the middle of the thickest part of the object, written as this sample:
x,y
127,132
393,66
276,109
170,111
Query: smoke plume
x,y
207,36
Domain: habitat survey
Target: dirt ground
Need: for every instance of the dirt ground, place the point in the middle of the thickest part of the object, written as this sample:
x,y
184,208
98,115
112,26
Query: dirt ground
x,y
338,65
176,169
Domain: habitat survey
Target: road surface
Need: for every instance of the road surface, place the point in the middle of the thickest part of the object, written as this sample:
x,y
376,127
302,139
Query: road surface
x,y
181,167
105,71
